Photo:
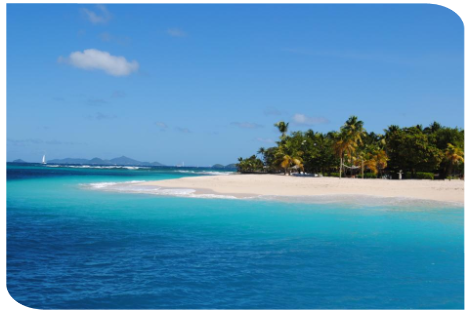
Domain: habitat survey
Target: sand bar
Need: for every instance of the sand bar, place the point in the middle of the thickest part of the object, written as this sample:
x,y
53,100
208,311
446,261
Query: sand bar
x,y
280,185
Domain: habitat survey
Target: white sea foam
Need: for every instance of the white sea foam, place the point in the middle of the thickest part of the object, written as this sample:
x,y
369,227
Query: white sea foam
x,y
203,172
135,187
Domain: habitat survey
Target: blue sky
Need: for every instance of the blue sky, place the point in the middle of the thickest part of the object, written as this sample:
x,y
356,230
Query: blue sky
x,y
204,84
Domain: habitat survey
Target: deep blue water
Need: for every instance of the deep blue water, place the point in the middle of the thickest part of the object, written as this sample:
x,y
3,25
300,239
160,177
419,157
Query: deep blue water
x,y
71,247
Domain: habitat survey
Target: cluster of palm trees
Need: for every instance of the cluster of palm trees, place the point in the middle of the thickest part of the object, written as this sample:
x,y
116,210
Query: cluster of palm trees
x,y
352,151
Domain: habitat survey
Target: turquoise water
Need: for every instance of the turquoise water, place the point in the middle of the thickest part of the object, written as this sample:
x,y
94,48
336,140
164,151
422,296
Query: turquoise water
x,y
70,246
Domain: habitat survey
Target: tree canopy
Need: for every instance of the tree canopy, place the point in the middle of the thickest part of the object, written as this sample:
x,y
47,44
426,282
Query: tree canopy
x,y
352,151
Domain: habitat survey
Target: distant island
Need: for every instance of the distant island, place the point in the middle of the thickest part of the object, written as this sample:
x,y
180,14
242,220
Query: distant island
x,y
220,166
19,161
121,161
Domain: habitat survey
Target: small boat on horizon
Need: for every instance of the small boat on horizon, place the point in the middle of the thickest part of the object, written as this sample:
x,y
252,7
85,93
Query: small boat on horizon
x,y
44,159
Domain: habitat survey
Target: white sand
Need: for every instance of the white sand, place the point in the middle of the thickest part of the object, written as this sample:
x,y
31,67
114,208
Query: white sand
x,y
280,185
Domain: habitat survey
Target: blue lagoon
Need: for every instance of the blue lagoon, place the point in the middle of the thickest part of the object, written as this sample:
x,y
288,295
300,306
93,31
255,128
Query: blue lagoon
x,y
71,245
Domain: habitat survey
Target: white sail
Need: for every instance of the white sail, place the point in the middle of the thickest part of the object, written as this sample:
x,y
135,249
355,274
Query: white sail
x,y
44,159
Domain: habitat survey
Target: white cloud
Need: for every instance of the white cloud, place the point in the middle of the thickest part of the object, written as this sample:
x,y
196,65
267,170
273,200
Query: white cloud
x,y
301,119
176,32
102,17
246,125
92,59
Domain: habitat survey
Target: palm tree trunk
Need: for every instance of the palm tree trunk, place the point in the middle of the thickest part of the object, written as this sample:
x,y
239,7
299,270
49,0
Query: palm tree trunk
x,y
340,168
363,169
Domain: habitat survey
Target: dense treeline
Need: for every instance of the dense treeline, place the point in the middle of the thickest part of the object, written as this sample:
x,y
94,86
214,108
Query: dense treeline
x,y
433,151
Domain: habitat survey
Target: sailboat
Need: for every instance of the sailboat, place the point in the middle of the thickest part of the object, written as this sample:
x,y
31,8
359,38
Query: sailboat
x,y
44,159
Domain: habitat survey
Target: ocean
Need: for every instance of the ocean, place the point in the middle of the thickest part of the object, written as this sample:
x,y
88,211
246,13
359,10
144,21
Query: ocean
x,y
74,243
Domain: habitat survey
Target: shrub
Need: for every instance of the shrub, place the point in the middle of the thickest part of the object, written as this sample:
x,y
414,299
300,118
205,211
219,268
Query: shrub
x,y
423,175
420,175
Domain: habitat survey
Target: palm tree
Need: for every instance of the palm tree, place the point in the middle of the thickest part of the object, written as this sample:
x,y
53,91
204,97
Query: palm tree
x,y
283,128
376,160
454,155
286,160
339,145
391,130
353,132
432,128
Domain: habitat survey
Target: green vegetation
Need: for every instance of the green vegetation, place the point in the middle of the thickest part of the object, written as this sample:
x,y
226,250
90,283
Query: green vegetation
x,y
421,153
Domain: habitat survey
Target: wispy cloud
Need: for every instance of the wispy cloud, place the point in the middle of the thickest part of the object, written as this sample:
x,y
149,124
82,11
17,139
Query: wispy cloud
x,y
67,143
100,16
427,60
183,130
105,36
96,102
375,56
162,126
121,40
92,59
176,32
118,94
301,119
271,111
101,116
247,125
35,141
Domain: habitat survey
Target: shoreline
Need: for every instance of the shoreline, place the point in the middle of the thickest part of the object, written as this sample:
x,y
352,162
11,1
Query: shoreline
x,y
253,185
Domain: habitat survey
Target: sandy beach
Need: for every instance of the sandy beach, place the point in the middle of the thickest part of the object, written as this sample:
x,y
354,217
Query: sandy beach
x,y
249,185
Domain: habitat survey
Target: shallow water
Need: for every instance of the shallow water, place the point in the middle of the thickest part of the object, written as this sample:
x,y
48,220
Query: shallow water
x,y
74,247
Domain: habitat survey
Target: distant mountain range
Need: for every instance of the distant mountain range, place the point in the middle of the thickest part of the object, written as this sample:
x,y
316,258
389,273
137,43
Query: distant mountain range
x,y
97,161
